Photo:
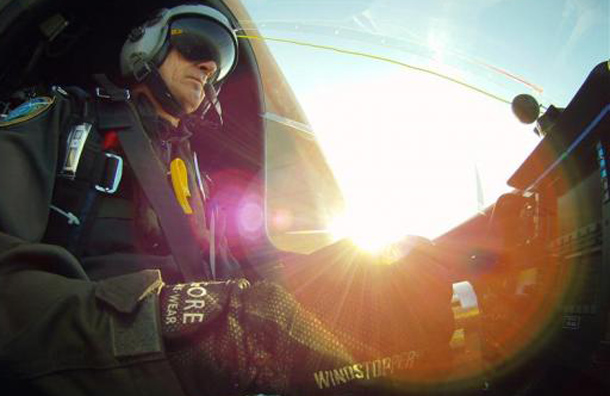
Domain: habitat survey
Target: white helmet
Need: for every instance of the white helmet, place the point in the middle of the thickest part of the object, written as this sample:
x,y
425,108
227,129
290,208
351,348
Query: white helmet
x,y
198,32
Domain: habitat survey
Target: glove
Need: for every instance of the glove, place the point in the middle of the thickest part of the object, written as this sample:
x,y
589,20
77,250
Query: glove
x,y
225,338
351,328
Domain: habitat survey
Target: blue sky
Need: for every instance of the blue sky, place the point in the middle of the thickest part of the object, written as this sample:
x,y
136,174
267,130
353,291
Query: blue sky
x,y
550,43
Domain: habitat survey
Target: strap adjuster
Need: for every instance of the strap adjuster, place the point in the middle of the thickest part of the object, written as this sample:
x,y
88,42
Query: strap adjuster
x,y
112,179
119,95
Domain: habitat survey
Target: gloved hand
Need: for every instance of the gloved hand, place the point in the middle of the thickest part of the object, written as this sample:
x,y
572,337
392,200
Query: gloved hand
x,y
227,338
351,328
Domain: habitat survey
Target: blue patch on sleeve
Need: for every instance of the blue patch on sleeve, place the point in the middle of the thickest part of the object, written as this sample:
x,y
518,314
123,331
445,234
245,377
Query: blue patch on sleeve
x,y
31,107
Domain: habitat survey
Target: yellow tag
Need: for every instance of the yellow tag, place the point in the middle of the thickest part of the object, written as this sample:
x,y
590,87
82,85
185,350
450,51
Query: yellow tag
x,y
175,32
180,183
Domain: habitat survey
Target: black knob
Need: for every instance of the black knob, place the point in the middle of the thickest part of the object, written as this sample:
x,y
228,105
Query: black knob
x,y
526,108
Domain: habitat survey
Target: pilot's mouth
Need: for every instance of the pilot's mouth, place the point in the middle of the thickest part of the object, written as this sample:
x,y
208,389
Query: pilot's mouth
x,y
198,80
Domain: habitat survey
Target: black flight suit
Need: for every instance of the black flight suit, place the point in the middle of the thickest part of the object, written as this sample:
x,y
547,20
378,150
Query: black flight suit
x,y
87,325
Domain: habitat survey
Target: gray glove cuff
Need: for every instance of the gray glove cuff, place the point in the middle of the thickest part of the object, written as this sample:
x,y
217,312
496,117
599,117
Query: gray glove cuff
x,y
187,308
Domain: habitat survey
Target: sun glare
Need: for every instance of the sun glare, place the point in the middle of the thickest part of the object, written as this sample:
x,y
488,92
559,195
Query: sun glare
x,y
408,150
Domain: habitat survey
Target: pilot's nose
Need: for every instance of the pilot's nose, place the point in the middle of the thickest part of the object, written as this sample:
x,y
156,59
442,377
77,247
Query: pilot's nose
x,y
208,68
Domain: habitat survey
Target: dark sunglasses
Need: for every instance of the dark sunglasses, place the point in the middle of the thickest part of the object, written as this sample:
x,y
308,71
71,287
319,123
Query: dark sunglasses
x,y
201,39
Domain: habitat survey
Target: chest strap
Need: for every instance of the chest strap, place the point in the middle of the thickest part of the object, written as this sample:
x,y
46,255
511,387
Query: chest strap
x,y
121,116
85,171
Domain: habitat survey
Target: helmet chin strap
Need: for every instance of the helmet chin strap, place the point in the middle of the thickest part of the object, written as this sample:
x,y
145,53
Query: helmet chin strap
x,y
211,101
161,92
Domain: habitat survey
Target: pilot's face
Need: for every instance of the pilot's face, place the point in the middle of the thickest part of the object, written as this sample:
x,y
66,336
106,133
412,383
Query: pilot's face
x,y
185,79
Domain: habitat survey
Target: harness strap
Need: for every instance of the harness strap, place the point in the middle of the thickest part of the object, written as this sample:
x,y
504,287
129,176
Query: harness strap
x,y
76,197
151,175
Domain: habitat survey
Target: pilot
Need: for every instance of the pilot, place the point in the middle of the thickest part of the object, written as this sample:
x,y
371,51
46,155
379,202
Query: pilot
x,y
107,284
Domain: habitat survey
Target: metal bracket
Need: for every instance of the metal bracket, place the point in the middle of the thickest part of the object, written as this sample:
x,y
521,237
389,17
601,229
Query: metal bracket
x,y
118,174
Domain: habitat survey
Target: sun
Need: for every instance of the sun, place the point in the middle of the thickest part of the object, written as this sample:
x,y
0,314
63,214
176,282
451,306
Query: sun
x,y
413,152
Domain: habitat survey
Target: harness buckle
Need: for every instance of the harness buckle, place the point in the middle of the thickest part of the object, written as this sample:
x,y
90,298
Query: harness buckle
x,y
75,145
112,179
118,95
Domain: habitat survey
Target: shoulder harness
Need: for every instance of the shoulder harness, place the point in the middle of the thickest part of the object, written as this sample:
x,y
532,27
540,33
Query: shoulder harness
x,y
90,169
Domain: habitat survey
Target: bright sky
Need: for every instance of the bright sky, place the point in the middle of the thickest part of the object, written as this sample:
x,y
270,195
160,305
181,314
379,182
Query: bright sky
x,y
406,146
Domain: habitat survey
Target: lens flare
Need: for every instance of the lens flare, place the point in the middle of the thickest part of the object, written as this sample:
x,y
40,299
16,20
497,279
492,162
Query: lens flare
x,y
251,219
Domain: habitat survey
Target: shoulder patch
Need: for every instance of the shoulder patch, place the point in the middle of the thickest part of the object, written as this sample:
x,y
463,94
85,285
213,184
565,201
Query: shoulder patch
x,y
27,110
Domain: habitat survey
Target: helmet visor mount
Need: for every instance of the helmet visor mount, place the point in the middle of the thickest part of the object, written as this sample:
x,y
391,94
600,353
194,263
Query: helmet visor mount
x,y
201,39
